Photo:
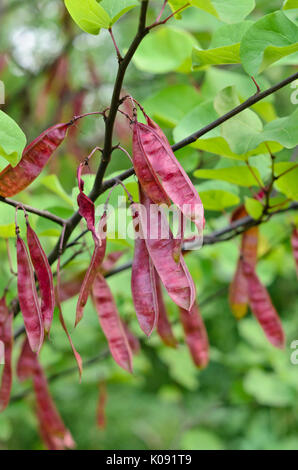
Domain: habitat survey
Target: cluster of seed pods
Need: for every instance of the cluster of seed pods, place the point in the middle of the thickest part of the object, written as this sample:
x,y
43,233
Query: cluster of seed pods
x,y
246,288
158,265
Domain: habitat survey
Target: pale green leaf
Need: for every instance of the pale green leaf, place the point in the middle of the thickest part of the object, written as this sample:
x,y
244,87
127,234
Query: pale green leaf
x,y
283,130
287,183
218,199
229,11
170,104
239,175
165,50
267,388
290,4
253,207
224,47
241,131
88,15
117,8
269,39
53,184
12,140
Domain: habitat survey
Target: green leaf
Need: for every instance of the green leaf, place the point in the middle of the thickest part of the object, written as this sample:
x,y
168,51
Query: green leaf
x,y
213,141
283,130
53,184
217,199
241,131
267,388
165,50
168,108
253,207
290,4
88,15
269,39
12,140
224,47
287,184
229,11
239,175
201,439
117,8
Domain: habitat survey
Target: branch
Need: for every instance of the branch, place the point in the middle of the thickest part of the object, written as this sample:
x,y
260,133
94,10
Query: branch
x,y
196,135
32,210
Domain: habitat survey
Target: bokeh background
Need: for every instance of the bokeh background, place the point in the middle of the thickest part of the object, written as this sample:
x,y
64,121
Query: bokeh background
x,y
247,397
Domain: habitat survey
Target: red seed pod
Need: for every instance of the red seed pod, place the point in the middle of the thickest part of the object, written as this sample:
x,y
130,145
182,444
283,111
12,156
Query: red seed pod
x,y
238,292
94,267
101,409
6,336
111,324
161,247
51,425
164,328
196,336
35,157
44,277
143,288
164,165
147,178
133,341
110,260
263,309
72,287
29,302
294,241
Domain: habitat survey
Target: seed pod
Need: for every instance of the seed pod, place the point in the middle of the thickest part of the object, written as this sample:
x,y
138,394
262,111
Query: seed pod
x,y
263,309
101,409
294,241
238,291
147,178
6,336
52,427
110,261
44,277
35,157
163,163
94,267
143,288
161,248
29,302
111,324
196,336
133,341
164,328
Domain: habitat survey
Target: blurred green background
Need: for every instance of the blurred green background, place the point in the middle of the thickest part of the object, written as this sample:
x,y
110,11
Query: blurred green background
x,y
247,397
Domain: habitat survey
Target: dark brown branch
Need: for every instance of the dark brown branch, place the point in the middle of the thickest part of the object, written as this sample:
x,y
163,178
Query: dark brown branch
x,y
32,210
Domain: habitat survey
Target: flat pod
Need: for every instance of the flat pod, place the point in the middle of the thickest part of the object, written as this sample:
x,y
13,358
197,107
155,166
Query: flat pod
x,y
146,176
174,180
111,324
161,247
94,267
143,287
35,157
29,302
263,309
196,336
44,277
164,328
6,336
238,292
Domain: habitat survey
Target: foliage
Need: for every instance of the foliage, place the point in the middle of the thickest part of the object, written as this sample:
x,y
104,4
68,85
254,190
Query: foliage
x,y
186,73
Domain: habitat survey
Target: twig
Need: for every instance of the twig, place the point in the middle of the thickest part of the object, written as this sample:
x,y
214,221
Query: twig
x,y
32,210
